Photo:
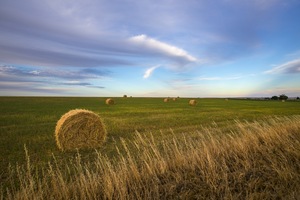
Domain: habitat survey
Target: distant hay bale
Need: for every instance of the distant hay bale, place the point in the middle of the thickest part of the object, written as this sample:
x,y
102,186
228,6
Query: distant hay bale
x,y
192,102
174,99
282,100
226,99
166,100
78,129
110,101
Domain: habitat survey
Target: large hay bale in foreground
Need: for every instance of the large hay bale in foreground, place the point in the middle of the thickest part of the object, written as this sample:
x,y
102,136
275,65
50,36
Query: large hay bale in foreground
x,y
79,129
110,101
192,102
166,100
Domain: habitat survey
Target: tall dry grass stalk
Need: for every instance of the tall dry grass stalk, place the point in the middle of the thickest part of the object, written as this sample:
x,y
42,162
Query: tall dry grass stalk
x,y
259,160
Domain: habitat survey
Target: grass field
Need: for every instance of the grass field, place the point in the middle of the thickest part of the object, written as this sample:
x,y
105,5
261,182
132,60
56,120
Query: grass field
x,y
31,121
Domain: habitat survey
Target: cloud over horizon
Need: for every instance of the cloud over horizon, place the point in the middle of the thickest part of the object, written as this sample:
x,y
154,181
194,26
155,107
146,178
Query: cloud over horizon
x,y
95,33
156,47
149,71
85,73
48,78
85,43
291,67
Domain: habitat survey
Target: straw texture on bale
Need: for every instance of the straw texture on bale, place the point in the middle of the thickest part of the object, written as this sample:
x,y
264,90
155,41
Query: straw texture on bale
x,y
110,102
193,102
166,100
79,129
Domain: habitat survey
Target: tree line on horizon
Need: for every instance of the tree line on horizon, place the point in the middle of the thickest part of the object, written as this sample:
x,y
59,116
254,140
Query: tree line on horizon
x,y
281,97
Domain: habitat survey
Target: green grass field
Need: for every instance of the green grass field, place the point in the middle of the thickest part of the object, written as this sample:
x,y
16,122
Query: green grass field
x,y
31,121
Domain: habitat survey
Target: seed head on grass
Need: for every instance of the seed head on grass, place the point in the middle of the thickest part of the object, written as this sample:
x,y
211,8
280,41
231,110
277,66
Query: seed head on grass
x,y
79,129
258,160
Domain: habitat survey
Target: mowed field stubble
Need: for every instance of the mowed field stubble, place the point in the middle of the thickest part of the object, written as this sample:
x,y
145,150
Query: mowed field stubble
x,y
29,122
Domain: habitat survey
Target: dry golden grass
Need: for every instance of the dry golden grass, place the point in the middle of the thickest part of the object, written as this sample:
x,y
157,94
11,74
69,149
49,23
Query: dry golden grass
x,y
110,101
79,129
259,160
192,102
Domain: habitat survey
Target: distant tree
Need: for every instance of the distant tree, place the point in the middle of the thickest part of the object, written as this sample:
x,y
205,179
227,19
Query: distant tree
x,y
283,97
297,98
274,97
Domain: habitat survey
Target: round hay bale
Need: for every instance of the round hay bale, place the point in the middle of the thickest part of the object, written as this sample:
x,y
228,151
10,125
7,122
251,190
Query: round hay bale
x,y
192,102
174,99
78,129
166,100
110,101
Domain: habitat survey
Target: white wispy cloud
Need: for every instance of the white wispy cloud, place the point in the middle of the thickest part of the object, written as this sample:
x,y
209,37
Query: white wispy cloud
x,y
39,77
31,72
290,67
218,78
149,71
150,45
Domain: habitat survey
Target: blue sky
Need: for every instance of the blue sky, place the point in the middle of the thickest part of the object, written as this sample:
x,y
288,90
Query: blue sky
x,y
192,48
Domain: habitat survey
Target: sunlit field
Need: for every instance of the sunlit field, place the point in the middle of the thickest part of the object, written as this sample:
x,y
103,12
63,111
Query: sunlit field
x,y
217,149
